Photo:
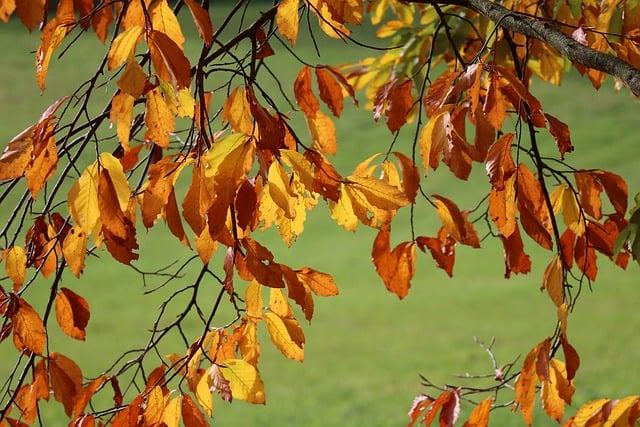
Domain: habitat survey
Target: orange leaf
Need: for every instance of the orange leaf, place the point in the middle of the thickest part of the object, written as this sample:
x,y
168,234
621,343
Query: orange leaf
x,y
410,176
72,312
28,329
553,281
479,417
399,105
397,267
321,284
330,91
74,250
304,96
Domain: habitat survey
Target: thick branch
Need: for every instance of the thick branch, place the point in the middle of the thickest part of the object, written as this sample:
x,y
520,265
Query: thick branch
x,y
547,32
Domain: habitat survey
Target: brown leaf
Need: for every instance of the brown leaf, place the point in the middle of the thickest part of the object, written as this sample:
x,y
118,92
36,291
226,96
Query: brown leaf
x,y
330,90
202,20
72,313
442,249
191,415
169,60
399,105
66,380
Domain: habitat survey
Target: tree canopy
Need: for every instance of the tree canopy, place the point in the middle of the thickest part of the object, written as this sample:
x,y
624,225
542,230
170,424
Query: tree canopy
x,y
196,139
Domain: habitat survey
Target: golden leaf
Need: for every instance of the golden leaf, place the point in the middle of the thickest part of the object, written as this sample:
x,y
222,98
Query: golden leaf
x,y
16,265
158,118
83,199
244,380
123,47
281,338
553,281
287,19
173,412
164,20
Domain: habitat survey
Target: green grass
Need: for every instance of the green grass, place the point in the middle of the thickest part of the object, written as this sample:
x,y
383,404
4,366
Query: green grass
x,y
365,348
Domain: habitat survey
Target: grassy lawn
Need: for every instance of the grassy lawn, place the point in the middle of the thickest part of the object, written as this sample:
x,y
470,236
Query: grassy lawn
x,y
365,348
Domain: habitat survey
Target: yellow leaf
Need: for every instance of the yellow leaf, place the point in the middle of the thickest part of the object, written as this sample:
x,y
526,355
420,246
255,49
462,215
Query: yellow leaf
x,y
16,265
203,393
159,119
553,281
379,193
323,133
287,19
248,343
118,178
253,300
280,189
83,199
342,211
186,104
587,411
121,114
278,303
221,152
133,80
621,408
123,46
237,112
564,200
164,20
244,380
301,167
281,338
155,406
173,412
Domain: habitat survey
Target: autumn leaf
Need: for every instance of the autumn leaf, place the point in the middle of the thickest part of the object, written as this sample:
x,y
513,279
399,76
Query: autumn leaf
x,y
15,265
305,98
553,281
202,21
287,19
479,417
72,313
28,330
158,118
330,90
397,267
66,380
123,47
164,20
244,380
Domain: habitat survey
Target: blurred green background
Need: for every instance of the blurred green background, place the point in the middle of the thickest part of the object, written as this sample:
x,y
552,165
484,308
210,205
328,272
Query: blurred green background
x,y
365,348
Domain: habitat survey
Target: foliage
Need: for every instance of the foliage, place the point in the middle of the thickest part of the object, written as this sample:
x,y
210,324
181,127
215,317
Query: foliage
x,y
447,68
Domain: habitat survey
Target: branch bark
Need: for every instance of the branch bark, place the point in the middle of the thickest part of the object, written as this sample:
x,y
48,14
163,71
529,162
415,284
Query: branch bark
x,y
547,32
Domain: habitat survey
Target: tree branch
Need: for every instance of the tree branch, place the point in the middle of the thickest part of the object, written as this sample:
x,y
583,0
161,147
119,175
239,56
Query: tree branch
x,y
547,32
